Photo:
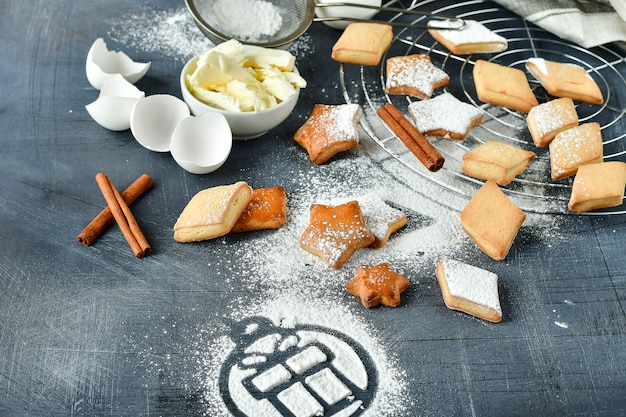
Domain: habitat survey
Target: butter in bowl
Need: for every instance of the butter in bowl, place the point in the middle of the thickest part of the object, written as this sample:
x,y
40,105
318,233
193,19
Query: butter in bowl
x,y
254,88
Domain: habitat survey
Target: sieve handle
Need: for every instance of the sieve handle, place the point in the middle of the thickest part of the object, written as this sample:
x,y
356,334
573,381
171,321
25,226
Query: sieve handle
x,y
459,23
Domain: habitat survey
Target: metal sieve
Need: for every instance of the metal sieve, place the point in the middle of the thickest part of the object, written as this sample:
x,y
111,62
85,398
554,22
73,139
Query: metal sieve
x,y
295,17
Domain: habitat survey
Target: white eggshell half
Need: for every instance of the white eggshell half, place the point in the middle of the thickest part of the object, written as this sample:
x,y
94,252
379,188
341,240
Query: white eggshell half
x,y
115,103
346,11
154,118
202,144
102,64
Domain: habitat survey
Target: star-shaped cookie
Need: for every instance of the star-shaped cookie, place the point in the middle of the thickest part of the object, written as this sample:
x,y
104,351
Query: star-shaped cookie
x,y
445,116
380,218
328,130
335,233
414,75
377,285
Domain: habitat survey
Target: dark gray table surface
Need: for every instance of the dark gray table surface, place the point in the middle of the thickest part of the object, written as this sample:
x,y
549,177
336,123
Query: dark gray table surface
x,y
94,331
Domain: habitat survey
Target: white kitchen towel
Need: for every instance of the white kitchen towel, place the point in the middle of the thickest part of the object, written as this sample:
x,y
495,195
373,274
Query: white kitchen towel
x,y
588,23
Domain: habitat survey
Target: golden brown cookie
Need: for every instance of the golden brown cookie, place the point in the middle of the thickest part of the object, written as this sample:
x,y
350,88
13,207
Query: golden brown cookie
x,y
380,218
335,233
377,285
503,86
414,75
469,289
329,129
474,38
565,80
492,220
548,119
363,43
598,186
574,147
445,116
212,212
266,210
496,161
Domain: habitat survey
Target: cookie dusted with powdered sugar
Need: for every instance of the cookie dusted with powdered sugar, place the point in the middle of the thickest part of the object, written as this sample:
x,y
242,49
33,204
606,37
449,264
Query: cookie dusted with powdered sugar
x,y
574,147
380,218
548,119
469,289
445,116
328,130
473,38
414,75
334,233
212,212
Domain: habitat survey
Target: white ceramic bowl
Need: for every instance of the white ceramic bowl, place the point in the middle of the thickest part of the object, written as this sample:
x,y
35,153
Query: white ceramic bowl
x,y
244,125
346,11
201,144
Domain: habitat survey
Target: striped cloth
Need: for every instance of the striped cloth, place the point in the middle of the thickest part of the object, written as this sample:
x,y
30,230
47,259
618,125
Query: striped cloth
x,y
588,23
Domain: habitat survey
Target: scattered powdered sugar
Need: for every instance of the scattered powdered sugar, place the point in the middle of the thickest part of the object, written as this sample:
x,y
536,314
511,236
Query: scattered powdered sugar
x,y
289,309
294,287
248,20
171,33
174,34
279,280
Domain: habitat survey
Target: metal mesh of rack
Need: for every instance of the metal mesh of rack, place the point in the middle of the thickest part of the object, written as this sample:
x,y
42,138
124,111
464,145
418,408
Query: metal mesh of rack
x,y
533,191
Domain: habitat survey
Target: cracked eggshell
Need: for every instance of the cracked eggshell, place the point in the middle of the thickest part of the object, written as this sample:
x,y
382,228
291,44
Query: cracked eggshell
x,y
115,103
202,144
102,64
154,118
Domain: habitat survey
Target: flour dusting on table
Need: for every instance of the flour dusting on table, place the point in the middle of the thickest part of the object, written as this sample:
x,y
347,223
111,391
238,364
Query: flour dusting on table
x,y
292,288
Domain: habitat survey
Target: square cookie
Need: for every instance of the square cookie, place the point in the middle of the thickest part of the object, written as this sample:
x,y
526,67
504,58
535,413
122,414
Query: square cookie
x,y
363,43
598,186
492,220
496,161
503,86
565,80
574,147
548,119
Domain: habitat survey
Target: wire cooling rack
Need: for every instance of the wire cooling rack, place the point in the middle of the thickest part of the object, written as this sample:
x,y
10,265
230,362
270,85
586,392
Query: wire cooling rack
x,y
534,190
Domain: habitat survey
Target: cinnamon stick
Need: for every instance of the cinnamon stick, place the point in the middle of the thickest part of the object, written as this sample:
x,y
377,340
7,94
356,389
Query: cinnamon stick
x,y
104,219
428,155
123,217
